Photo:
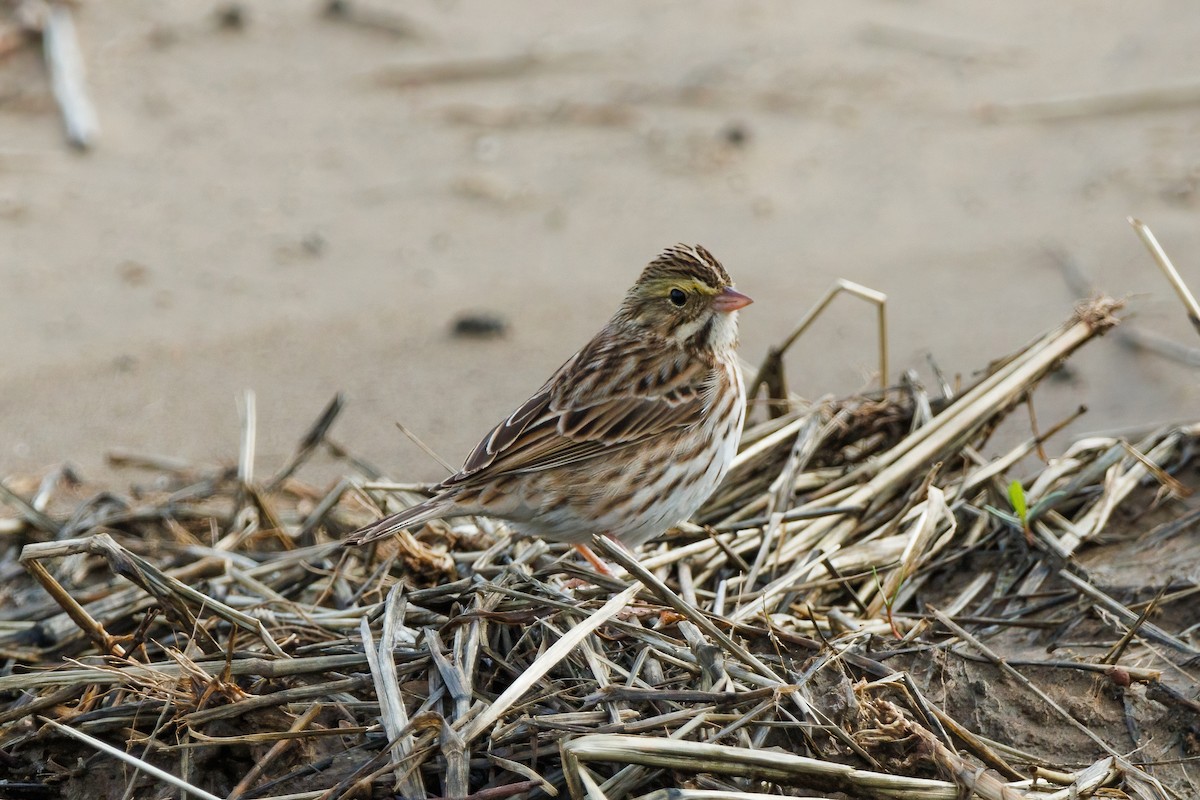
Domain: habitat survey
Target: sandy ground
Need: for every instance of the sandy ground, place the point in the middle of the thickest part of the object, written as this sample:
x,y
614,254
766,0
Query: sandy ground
x,y
304,206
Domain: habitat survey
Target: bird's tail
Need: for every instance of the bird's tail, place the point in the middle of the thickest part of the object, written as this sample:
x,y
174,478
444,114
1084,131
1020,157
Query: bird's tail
x,y
422,512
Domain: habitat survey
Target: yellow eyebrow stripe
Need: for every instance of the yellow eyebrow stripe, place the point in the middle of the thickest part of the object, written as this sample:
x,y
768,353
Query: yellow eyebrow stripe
x,y
665,285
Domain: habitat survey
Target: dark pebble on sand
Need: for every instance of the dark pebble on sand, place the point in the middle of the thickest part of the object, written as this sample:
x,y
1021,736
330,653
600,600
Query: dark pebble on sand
x,y
480,325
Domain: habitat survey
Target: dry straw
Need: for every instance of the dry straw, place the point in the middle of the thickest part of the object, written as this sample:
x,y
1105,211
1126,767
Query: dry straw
x,y
818,631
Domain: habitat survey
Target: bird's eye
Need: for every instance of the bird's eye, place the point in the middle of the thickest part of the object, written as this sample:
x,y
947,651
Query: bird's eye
x,y
678,298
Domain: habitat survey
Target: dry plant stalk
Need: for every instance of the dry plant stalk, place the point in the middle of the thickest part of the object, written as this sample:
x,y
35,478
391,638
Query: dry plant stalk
x,y
211,631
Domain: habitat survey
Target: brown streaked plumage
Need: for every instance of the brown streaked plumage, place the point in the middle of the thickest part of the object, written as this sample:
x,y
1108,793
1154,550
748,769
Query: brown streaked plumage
x,y
629,436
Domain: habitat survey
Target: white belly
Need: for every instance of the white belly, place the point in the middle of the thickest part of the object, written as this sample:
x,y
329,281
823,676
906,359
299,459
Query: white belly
x,y
634,507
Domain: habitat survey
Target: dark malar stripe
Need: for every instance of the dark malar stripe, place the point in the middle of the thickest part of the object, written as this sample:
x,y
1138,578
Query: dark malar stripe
x,y
700,340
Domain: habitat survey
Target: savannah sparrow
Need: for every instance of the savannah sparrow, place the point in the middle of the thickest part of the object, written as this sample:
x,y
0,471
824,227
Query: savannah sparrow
x,y
629,436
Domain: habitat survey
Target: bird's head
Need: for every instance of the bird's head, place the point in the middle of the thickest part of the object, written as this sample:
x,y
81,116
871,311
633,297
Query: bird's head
x,y
686,296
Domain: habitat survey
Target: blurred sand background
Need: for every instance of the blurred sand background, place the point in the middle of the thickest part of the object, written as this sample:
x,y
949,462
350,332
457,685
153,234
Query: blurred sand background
x,y
305,205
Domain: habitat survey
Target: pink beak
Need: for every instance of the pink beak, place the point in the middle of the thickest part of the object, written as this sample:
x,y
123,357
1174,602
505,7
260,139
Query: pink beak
x,y
730,300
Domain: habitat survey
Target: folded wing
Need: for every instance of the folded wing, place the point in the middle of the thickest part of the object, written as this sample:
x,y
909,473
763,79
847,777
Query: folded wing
x,y
556,427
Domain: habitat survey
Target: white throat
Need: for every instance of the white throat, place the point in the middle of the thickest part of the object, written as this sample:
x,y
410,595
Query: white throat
x,y
724,333
721,336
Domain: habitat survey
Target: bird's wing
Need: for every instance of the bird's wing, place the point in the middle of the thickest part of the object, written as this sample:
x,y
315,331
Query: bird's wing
x,y
597,401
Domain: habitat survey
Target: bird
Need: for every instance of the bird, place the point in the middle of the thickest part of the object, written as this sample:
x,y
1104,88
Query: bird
x,y
626,439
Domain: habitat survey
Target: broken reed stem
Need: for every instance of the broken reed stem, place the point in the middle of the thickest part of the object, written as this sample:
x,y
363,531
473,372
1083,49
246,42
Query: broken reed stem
x,y
887,474
387,689
312,438
249,409
998,390
771,371
78,614
1164,263
698,757
64,61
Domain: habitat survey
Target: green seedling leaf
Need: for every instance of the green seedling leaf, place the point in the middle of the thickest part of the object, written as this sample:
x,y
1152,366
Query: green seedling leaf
x,y
1016,496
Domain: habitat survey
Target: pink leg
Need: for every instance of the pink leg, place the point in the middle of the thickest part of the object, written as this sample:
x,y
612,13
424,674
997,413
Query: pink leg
x,y
596,561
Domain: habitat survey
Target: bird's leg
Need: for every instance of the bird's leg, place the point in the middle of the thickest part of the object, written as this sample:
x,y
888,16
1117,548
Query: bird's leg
x,y
596,561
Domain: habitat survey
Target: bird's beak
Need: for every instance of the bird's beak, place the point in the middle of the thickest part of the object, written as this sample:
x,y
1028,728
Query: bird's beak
x,y
730,300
